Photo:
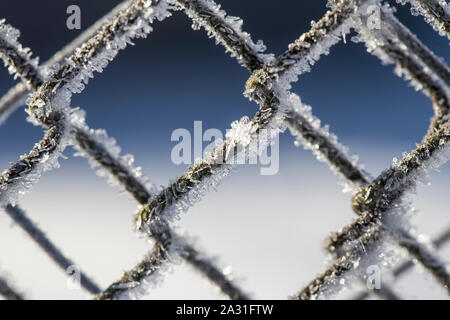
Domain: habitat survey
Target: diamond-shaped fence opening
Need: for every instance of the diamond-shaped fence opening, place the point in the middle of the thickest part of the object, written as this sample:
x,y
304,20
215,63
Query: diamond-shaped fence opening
x,y
381,204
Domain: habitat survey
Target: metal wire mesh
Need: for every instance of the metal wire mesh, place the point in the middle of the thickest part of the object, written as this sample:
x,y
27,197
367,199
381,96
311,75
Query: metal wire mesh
x,y
377,202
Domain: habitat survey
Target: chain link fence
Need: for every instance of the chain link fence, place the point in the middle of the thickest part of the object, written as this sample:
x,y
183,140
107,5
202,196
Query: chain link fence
x,y
381,204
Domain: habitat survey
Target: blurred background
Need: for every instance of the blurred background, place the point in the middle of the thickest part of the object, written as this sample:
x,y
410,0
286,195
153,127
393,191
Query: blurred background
x,y
270,229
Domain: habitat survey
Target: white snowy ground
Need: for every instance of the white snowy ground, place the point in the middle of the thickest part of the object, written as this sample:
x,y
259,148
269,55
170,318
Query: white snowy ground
x,y
270,229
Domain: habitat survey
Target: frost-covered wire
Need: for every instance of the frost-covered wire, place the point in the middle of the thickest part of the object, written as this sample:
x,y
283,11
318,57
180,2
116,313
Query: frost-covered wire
x,y
16,96
335,277
434,63
227,30
15,57
439,242
29,72
150,269
12,100
435,76
95,144
219,277
380,208
20,175
269,86
107,155
427,258
266,86
372,248
402,268
435,12
394,43
95,54
302,54
21,219
50,104
201,15
198,14
101,150
8,292
31,76
169,249
203,12
16,180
